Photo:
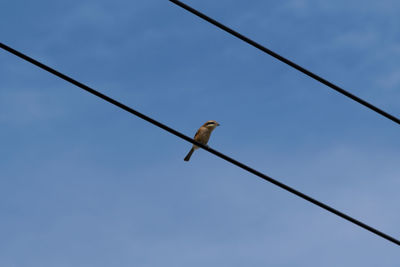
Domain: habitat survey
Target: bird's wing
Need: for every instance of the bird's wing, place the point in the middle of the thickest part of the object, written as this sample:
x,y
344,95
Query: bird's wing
x,y
196,136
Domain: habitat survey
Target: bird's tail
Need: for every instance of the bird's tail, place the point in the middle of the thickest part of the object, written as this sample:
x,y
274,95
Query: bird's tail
x,y
189,154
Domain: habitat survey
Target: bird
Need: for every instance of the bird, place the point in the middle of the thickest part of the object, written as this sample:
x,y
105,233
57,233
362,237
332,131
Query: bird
x,y
202,135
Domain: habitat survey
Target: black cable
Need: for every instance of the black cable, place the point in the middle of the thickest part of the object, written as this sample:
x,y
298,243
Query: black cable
x,y
287,61
215,152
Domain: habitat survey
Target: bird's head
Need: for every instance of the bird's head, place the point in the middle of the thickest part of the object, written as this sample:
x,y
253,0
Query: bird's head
x,y
211,124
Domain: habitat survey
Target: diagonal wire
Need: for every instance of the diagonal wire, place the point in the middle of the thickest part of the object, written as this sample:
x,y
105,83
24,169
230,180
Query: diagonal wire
x,y
215,152
288,62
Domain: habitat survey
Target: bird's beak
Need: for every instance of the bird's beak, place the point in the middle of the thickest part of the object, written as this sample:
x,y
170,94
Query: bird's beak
x,y
218,124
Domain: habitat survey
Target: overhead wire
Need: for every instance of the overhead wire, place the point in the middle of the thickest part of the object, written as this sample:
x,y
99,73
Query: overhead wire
x,y
205,147
288,62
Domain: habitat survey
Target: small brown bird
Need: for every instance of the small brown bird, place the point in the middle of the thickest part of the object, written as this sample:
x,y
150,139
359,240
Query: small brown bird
x,y
202,136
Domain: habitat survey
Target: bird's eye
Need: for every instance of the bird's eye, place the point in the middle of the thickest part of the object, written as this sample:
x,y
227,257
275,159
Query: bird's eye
x,y
210,123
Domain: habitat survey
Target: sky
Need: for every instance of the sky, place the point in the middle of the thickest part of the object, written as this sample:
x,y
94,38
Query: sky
x,y
83,183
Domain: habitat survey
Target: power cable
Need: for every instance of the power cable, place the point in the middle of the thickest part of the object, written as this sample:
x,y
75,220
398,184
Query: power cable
x,y
287,61
205,147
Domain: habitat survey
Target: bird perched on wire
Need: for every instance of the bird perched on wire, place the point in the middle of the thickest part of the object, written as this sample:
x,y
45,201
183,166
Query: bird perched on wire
x,y
202,135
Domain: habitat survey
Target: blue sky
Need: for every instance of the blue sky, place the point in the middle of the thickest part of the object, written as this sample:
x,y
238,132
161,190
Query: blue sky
x,y
86,184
